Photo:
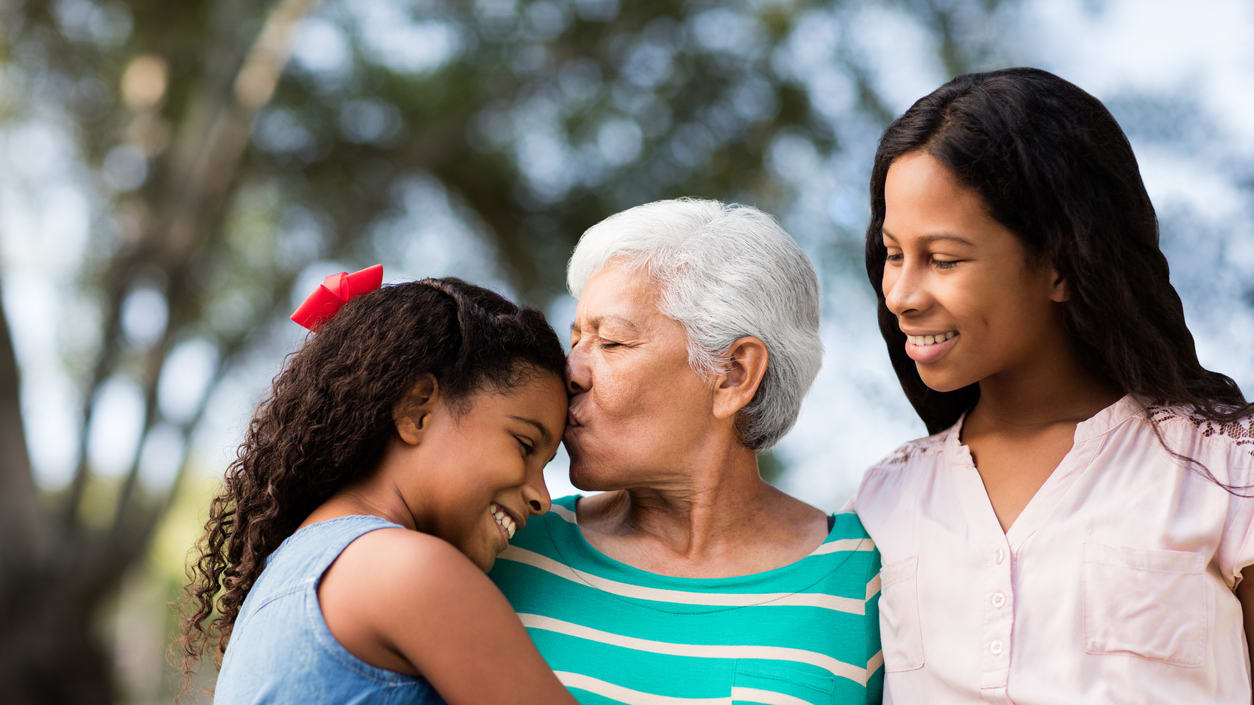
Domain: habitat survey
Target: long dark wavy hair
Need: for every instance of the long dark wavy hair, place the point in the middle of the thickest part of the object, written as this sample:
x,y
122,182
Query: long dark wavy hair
x,y
328,418
1052,165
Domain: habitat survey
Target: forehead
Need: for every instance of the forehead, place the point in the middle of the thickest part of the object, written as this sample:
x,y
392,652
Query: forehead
x,y
922,195
541,396
617,295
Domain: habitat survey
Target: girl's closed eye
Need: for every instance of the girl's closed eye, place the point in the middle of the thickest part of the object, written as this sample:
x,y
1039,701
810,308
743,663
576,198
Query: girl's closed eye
x,y
944,263
527,446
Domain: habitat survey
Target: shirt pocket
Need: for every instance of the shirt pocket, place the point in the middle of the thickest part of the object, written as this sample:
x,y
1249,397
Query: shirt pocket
x,y
1148,602
765,682
901,631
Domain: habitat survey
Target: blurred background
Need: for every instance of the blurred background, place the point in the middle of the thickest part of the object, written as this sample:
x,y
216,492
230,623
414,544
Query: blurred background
x,y
176,177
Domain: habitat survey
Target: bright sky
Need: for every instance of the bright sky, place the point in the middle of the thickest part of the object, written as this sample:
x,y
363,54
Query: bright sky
x,y
855,413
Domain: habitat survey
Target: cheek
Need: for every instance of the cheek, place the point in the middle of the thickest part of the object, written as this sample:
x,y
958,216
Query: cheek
x,y
620,390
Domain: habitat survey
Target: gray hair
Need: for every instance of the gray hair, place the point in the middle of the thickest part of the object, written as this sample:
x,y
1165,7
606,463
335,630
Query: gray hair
x,y
725,271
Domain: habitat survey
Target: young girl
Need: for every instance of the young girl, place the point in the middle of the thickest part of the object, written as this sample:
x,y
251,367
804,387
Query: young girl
x,y
397,453
1078,530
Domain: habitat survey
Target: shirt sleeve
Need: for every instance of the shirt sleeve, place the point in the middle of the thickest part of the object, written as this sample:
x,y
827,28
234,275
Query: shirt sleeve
x,y
1236,471
874,652
1236,547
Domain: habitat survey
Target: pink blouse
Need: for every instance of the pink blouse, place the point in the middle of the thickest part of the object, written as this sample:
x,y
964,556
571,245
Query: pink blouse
x,y
1114,585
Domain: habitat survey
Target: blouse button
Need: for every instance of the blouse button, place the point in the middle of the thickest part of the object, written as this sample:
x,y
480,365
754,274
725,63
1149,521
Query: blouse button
x,y
999,555
995,648
999,599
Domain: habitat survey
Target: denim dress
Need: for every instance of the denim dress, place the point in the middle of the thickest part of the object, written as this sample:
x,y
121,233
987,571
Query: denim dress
x,y
281,650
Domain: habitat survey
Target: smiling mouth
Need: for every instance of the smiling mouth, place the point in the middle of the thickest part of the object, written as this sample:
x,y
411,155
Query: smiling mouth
x,y
927,349
924,340
503,520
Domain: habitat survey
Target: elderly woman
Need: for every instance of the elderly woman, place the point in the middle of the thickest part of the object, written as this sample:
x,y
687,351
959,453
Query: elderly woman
x,y
688,578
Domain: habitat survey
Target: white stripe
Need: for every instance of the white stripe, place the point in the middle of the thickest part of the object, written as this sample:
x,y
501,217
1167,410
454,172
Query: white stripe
x,y
766,697
874,664
791,599
563,512
844,545
627,695
873,586
857,674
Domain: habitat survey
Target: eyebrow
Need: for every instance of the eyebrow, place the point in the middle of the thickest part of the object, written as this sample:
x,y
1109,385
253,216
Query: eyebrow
x,y
596,323
544,432
933,238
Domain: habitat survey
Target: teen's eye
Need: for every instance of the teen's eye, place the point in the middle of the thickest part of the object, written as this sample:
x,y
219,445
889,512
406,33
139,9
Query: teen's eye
x,y
525,445
945,263
894,256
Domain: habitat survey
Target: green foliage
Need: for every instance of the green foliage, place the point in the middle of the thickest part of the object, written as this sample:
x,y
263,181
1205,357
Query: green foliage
x,y
475,138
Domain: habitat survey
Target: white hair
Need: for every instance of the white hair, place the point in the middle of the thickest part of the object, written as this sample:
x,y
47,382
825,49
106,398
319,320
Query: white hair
x,y
725,271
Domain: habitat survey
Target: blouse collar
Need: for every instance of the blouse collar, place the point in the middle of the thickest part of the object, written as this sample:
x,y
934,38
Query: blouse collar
x,y
1098,424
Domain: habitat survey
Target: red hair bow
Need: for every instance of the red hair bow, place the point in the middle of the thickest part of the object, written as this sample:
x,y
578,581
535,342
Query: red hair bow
x,y
334,292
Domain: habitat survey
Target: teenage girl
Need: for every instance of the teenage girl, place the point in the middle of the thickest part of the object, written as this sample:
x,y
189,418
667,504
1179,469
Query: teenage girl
x,y
397,453
1078,530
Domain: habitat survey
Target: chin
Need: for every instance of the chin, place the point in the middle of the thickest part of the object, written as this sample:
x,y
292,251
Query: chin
x,y
485,563
943,382
584,476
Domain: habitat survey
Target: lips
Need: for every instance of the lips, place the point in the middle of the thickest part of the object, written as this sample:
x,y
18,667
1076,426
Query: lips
x,y
925,347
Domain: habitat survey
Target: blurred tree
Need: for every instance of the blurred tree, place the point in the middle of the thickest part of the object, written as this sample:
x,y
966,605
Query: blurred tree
x,y
225,171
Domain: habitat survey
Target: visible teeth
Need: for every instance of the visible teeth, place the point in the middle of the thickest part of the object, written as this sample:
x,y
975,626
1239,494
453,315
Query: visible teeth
x,y
503,520
931,339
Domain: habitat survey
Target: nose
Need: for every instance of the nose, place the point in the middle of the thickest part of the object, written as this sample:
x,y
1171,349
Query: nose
x,y
536,493
578,373
905,289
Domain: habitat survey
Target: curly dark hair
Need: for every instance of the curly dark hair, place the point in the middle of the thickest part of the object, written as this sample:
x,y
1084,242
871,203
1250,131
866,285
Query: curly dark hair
x,y
328,417
1053,166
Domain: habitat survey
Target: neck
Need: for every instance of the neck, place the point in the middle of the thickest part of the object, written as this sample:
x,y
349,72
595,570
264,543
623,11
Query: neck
x,y
1055,389
375,495
698,513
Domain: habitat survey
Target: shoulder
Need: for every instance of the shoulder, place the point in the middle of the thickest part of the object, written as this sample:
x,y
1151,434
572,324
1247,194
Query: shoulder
x,y
912,452
890,486
912,458
849,538
848,556
1227,445
391,566
1238,433
847,526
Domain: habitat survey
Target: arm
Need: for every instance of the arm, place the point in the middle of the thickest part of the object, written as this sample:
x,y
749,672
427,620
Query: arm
x,y
1245,593
398,598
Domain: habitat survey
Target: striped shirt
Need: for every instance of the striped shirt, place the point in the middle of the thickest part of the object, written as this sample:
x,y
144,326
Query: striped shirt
x,y
807,632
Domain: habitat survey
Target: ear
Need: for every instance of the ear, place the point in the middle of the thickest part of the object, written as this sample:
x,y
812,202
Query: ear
x,y
736,386
1059,291
412,414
